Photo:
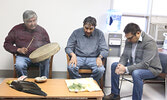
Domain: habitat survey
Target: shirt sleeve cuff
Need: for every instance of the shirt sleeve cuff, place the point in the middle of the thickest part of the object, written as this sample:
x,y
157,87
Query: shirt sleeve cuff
x,y
127,71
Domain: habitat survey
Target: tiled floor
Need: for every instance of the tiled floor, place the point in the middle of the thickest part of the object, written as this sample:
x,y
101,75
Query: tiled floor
x,y
150,91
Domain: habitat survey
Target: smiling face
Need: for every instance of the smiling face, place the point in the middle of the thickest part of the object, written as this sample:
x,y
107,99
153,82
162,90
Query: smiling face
x,y
31,23
88,28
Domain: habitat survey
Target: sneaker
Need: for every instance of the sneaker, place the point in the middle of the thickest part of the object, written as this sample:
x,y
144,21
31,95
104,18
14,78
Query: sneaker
x,y
112,97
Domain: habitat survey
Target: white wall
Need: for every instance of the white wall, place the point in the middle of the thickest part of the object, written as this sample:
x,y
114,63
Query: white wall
x,y
58,17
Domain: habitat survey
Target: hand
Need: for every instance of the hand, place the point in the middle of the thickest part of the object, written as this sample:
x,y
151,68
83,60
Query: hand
x,y
73,60
120,69
22,50
99,62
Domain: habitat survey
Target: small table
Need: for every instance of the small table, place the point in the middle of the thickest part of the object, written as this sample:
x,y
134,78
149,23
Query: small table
x,y
55,88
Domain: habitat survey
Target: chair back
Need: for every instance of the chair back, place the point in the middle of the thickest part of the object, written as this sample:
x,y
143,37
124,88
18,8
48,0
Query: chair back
x,y
163,60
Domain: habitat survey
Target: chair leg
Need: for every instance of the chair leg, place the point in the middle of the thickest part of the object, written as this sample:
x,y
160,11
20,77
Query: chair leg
x,y
50,67
123,78
101,82
14,70
121,82
14,73
68,76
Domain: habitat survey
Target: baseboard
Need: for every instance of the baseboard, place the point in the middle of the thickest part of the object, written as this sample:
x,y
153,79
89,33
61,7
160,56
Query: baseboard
x,y
55,74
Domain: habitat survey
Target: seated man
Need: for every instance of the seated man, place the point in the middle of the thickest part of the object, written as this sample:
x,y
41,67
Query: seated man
x,y
87,47
140,59
23,39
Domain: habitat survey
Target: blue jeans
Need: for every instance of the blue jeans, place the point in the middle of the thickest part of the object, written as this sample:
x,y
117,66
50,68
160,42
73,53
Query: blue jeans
x,y
138,76
97,72
22,64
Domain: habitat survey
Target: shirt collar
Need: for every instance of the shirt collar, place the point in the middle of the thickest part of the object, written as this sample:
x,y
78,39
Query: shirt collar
x,y
140,38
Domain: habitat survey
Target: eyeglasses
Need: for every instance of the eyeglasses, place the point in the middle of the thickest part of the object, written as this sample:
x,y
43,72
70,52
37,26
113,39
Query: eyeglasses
x,y
130,38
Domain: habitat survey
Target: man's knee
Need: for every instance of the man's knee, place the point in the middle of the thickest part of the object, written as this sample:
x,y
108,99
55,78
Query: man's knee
x,y
20,65
101,69
136,73
69,68
114,65
72,68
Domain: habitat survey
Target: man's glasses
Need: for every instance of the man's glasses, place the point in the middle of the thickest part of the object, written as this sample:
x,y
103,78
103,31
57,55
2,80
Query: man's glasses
x,y
130,38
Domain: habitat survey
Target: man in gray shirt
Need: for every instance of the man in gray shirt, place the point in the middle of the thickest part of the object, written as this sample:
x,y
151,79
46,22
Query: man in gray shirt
x,y
140,59
87,47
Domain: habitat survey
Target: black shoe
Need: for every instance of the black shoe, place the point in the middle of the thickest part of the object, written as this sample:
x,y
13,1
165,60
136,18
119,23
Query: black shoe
x,y
112,97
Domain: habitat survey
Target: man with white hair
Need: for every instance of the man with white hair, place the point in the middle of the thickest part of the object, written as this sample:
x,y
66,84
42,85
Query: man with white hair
x,y
23,39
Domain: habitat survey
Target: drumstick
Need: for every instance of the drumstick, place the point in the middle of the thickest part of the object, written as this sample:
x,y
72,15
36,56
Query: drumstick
x,y
30,42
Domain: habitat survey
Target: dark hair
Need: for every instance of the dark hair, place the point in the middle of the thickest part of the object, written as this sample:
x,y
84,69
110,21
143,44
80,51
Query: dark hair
x,y
90,20
132,27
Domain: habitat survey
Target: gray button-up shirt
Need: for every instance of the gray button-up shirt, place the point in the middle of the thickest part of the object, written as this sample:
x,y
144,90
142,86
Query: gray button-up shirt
x,y
84,46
